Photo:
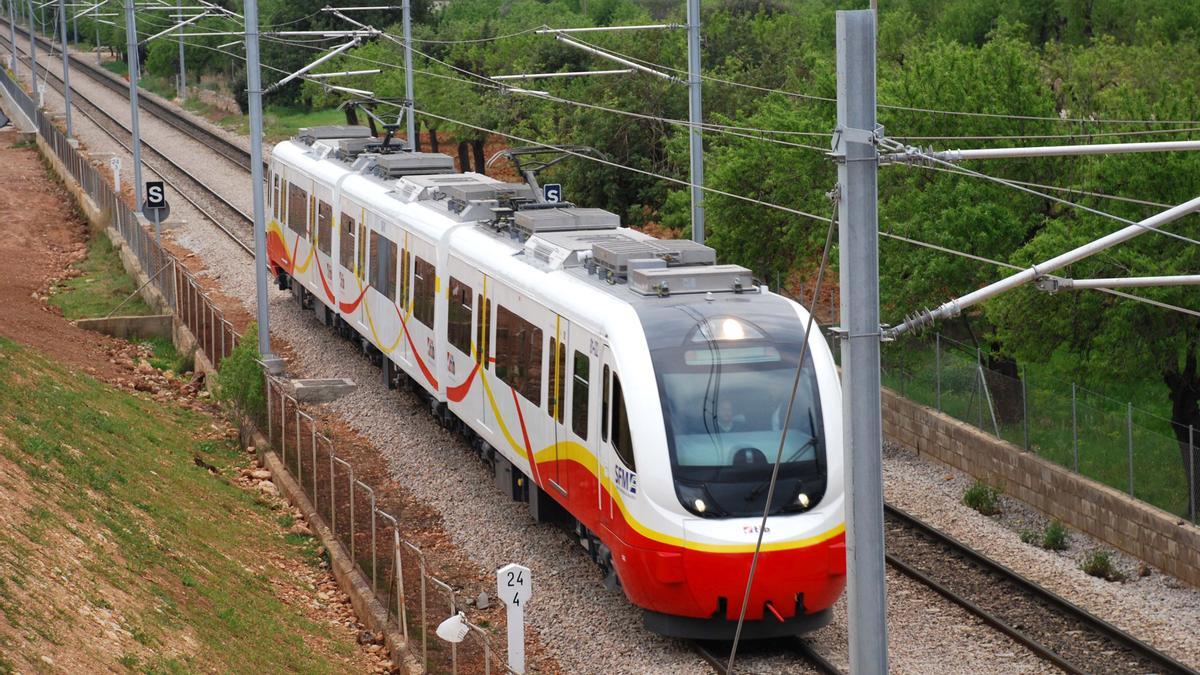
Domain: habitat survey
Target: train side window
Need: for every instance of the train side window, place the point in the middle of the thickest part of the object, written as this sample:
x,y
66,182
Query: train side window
x,y
423,292
604,406
361,270
346,243
458,316
324,227
579,395
297,216
622,437
482,326
389,268
519,354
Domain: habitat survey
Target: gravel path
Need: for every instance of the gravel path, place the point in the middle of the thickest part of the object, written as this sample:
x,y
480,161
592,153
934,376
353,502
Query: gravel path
x,y
584,627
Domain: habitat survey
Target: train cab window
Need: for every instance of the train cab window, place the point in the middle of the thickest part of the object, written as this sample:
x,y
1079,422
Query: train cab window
x,y
605,380
297,216
519,354
579,395
346,242
324,227
558,380
622,436
423,291
482,326
458,316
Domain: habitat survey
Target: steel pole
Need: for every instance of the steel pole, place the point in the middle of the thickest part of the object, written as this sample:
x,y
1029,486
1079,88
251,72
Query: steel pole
x,y
12,37
66,63
254,101
408,76
182,70
695,119
32,53
862,408
131,57
96,27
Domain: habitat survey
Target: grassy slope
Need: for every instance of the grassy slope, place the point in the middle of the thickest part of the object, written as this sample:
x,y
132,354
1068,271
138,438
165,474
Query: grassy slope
x,y
113,500
101,287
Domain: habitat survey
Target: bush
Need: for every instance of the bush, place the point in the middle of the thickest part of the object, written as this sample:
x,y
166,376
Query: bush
x,y
983,498
1029,536
240,383
1099,563
1055,537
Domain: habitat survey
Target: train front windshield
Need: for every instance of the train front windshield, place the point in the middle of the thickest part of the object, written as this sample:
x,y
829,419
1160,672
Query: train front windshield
x,y
725,393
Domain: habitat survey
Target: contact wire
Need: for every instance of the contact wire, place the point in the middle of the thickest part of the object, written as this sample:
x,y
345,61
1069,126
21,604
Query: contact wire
x,y
787,421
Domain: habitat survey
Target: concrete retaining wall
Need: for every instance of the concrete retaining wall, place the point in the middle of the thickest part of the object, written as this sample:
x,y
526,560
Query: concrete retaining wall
x,y
131,327
1161,539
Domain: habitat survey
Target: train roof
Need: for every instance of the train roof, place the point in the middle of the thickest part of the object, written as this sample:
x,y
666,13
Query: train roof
x,y
588,244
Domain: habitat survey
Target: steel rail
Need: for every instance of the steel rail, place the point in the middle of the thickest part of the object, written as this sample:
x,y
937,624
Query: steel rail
x,y
718,659
222,146
56,82
1065,608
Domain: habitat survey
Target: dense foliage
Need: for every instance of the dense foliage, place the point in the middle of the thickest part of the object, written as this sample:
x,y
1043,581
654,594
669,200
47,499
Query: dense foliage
x,y
1046,70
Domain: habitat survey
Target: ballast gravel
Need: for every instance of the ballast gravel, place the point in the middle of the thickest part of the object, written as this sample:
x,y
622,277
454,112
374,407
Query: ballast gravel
x,y
583,626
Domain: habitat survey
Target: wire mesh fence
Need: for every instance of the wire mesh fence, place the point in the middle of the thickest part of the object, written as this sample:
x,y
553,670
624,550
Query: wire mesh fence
x,y
1114,442
416,600
395,568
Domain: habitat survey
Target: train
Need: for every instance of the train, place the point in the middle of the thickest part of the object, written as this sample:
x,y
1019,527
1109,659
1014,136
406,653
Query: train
x,y
629,388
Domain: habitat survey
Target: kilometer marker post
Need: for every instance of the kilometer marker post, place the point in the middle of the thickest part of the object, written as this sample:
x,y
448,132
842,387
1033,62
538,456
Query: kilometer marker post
x,y
514,586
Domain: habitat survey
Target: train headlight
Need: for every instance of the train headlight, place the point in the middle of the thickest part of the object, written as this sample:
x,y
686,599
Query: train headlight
x,y
802,500
695,498
731,329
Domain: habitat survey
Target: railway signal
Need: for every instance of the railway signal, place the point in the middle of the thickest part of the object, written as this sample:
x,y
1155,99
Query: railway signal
x,y
156,207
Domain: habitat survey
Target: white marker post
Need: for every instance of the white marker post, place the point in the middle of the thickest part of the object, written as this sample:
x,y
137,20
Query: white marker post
x,y
115,164
514,586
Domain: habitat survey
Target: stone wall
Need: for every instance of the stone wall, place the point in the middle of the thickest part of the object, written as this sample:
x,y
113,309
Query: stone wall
x,y
1161,539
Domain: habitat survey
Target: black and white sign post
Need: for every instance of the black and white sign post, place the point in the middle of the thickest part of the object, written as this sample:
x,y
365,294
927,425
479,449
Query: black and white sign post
x,y
514,586
552,193
155,207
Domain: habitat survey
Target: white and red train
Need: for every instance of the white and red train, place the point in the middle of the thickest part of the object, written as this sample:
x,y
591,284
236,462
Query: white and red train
x,y
626,386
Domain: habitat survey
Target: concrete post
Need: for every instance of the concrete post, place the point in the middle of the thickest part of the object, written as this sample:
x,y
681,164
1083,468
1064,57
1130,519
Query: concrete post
x,y
858,169
182,70
66,66
254,97
131,57
12,37
32,51
408,77
695,118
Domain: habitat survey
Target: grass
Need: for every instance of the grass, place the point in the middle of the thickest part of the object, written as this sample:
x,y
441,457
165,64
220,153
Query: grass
x,y
983,498
1100,419
1053,538
1099,563
185,545
166,357
279,122
101,287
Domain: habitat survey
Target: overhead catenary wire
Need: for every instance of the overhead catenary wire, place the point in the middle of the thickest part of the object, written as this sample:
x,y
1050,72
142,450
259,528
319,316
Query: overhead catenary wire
x,y
933,111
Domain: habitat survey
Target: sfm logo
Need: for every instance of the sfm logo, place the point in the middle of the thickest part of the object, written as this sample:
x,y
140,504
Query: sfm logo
x,y
626,480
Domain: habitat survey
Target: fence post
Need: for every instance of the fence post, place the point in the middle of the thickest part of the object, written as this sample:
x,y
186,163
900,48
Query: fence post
x,y
1025,405
353,559
299,476
938,369
270,423
1075,425
283,426
314,464
1129,432
1192,469
982,384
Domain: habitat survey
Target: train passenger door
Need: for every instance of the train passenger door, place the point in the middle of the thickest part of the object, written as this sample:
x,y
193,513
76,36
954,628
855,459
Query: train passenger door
x,y
556,402
483,345
583,404
619,473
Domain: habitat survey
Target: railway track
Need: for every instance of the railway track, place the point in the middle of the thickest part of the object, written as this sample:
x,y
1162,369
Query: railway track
x,y
217,143
230,219
716,654
1053,628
